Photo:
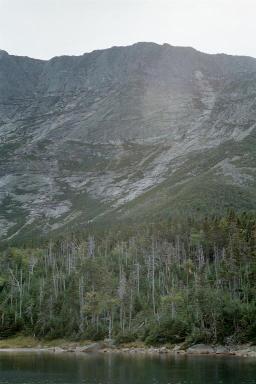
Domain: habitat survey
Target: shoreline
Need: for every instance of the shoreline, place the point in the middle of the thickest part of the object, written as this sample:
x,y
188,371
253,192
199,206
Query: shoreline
x,y
104,348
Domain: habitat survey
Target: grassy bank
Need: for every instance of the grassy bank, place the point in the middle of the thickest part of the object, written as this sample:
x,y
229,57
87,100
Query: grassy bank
x,y
21,341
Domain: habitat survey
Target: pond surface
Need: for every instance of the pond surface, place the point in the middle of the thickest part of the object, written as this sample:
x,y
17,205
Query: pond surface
x,y
47,368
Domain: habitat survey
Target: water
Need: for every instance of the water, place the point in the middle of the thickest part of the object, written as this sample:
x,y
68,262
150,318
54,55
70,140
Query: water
x,y
46,368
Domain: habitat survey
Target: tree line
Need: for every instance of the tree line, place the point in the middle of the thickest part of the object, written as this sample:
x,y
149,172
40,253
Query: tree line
x,y
169,282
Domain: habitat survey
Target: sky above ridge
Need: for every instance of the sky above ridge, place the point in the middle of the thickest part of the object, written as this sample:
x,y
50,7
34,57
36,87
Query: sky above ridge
x,y
47,28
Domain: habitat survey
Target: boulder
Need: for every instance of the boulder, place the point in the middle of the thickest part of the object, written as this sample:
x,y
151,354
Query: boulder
x,y
176,348
94,347
201,349
246,351
221,350
109,343
58,350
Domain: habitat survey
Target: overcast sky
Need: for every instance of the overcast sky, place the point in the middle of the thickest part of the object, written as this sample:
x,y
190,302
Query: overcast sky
x,y
47,28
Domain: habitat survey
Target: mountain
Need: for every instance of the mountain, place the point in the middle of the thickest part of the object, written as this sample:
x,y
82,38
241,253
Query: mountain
x,y
126,133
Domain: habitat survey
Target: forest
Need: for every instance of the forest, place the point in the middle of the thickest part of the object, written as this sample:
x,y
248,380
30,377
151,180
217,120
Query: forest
x,y
174,281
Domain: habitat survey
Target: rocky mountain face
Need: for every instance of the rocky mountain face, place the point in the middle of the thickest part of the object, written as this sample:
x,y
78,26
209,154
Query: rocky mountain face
x,y
124,134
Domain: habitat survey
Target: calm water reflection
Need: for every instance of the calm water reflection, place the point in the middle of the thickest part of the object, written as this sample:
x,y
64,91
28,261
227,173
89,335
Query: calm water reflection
x,y
46,368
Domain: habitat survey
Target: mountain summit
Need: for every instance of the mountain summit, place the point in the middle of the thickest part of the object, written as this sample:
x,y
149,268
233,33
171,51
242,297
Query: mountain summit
x,y
124,133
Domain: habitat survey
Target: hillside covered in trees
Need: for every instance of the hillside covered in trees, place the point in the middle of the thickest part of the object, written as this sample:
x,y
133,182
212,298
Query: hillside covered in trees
x,y
168,282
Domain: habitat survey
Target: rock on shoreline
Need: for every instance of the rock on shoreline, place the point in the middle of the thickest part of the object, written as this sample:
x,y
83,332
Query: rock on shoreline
x,y
102,347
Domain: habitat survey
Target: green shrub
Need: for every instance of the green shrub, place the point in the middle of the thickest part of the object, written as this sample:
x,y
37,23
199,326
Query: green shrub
x,y
10,327
94,333
172,331
247,333
198,336
128,337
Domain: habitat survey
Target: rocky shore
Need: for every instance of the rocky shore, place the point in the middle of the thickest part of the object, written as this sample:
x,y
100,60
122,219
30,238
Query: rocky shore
x,y
105,347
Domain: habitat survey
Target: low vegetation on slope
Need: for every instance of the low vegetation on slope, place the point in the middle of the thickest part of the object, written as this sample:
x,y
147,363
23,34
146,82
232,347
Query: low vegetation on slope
x,y
169,282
